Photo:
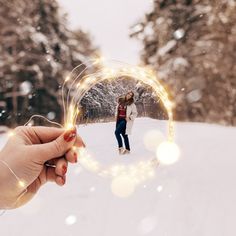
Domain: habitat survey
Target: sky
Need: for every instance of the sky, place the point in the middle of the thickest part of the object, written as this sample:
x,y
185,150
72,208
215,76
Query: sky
x,y
108,22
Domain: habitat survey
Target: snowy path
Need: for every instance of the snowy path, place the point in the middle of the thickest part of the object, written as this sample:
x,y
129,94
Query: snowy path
x,y
194,197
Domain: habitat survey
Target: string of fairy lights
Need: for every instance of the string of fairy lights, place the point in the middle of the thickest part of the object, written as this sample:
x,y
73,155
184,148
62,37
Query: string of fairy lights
x,y
80,80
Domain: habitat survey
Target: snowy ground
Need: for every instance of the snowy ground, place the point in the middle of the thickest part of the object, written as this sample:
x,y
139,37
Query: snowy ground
x,y
194,197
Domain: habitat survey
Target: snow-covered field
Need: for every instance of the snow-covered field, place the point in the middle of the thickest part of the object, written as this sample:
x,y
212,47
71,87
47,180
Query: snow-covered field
x,y
194,197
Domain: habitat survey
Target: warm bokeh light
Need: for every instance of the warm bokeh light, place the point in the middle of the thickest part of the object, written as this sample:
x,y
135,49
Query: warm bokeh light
x,y
67,78
72,116
21,184
123,186
159,188
70,220
168,153
11,133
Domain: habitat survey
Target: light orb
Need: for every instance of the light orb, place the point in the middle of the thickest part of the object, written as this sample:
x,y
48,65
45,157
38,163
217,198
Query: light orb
x,y
11,133
21,184
168,153
123,186
159,188
70,220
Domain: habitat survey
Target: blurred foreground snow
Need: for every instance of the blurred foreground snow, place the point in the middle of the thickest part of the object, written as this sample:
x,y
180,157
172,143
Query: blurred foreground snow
x,y
194,197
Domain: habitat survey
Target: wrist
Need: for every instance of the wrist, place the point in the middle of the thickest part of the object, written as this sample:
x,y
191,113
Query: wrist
x,y
8,186
4,201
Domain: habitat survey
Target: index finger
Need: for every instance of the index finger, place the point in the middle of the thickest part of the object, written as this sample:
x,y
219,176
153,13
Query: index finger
x,y
47,134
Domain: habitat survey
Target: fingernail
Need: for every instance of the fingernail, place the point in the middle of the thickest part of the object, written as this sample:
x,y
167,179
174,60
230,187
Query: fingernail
x,y
70,135
64,170
75,156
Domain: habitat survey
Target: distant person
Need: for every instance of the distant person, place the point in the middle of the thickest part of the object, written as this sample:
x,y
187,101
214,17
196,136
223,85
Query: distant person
x,y
126,112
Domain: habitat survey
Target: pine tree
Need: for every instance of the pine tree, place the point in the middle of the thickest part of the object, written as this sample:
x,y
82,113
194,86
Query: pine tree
x,y
192,46
36,53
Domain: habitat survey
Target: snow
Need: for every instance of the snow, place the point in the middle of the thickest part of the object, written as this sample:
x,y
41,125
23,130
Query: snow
x,y
166,48
179,34
180,61
196,196
38,37
194,95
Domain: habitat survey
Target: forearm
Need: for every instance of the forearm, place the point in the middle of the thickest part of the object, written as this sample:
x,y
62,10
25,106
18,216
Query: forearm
x,y
8,185
3,181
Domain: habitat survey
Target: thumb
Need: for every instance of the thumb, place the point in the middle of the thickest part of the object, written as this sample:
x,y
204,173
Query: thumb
x,y
56,148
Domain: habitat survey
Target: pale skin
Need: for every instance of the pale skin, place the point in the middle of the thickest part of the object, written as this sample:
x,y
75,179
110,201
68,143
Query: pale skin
x,y
37,155
129,95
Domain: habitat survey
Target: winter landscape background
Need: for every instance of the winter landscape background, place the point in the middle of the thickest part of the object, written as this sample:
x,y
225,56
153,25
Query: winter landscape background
x,y
191,46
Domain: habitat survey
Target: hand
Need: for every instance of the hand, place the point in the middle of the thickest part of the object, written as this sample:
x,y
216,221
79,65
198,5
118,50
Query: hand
x,y
26,153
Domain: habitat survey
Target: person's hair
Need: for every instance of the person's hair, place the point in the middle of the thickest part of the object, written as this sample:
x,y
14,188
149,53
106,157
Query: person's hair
x,y
132,93
131,100
121,100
